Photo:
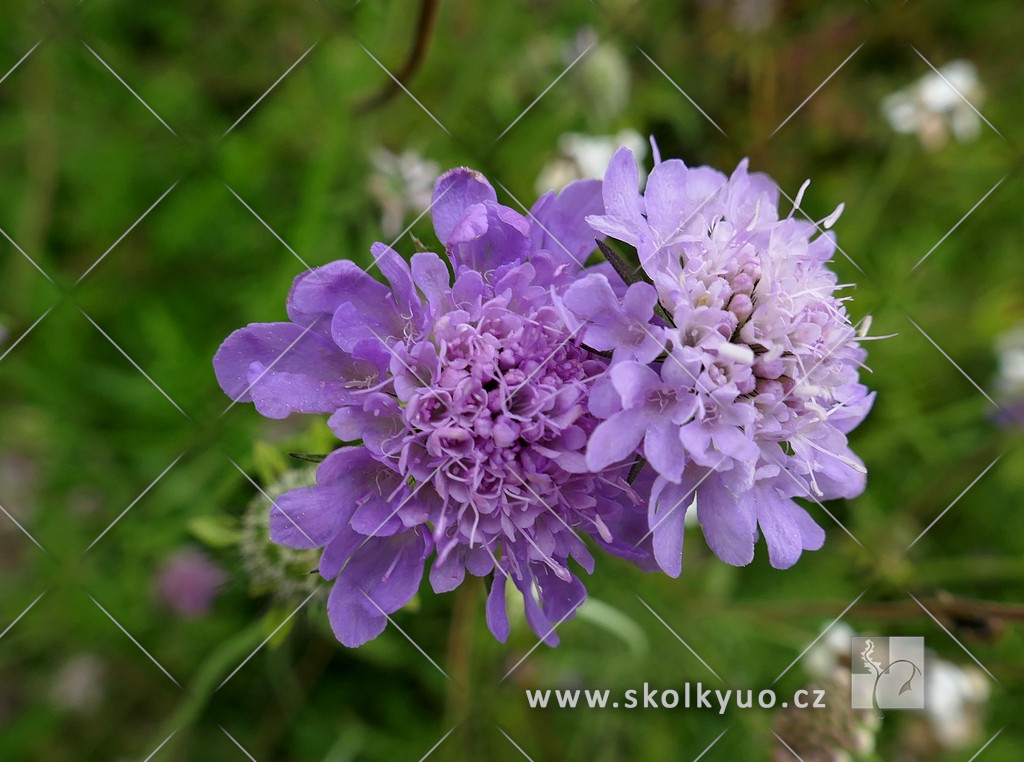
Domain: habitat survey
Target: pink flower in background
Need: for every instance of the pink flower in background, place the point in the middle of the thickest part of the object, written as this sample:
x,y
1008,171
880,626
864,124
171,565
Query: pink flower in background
x,y
188,581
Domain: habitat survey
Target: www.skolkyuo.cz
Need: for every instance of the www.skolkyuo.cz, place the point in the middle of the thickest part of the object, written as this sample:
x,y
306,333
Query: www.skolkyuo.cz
x,y
690,697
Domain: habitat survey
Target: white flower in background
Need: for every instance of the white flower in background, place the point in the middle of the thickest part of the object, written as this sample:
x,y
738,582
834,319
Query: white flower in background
x,y
954,696
1010,357
601,76
749,16
937,104
1009,382
78,685
403,185
582,157
830,653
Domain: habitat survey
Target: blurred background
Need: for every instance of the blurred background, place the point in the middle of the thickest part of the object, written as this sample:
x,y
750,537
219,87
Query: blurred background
x,y
166,170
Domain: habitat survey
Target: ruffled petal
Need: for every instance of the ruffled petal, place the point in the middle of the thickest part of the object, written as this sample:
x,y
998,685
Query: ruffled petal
x,y
559,222
454,192
488,237
729,522
787,528
497,612
285,368
615,439
666,515
379,579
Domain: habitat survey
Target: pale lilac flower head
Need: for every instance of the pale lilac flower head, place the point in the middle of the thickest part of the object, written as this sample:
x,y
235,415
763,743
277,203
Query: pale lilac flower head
x,y
735,375
189,582
467,397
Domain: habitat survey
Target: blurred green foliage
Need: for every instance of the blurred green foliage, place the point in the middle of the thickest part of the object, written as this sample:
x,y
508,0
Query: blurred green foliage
x,y
84,433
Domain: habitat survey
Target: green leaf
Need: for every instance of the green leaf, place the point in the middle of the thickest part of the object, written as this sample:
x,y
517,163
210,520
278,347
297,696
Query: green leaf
x,y
277,617
215,531
308,457
270,463
614,621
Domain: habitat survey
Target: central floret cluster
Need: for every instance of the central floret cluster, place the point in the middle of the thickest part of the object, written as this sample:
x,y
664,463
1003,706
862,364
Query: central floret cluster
x,y
498,413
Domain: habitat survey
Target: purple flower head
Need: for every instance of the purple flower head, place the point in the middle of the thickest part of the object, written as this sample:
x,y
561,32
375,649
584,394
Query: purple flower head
x,y
189,582
735,374
466,394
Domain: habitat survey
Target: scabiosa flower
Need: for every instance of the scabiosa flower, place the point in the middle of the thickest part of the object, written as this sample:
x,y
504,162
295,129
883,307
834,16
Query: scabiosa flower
x,y
735,369
467,397
189,582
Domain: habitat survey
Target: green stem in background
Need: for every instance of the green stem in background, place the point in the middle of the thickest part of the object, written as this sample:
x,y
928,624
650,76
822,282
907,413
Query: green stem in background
x,y
206,681
458,700
31,231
